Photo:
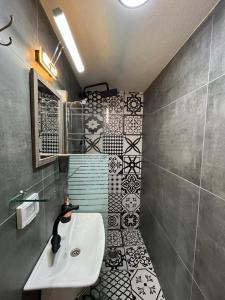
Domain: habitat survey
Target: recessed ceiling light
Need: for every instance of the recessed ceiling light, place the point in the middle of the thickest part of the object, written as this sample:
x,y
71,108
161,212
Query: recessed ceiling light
x,y
65,31
133,3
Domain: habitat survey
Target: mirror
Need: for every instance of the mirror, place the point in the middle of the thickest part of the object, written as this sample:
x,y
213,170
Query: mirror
x,y
47,121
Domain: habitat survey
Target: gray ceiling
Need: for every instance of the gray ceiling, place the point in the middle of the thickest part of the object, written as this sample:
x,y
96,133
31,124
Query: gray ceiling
x,y
129,47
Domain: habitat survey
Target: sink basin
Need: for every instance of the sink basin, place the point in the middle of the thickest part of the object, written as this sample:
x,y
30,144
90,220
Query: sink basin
x,y
85,234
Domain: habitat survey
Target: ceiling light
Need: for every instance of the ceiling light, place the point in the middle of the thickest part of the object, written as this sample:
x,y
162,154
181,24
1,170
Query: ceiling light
x,y
63,26
133,3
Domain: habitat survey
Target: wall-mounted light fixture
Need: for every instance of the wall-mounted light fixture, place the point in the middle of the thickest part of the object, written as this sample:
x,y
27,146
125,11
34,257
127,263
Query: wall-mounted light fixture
x,y
65,31
43,59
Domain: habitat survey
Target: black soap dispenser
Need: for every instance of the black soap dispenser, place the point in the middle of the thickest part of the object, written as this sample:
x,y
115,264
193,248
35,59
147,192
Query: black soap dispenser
x,y
66,204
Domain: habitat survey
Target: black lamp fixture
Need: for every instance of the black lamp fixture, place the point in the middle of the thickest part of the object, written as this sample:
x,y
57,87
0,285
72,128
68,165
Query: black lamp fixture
x,y
133,3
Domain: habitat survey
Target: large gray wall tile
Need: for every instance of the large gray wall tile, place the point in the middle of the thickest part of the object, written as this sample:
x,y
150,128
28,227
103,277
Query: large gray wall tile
x,y
19,252
174,202
210,250
196,293
214,150
24,28
217,64
174,135
173,276
15,134
187,71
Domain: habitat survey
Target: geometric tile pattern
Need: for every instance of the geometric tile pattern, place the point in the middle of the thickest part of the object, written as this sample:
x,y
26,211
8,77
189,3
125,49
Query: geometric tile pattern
x,y
132,237
131,164
130,220
94,104
113,126
93,144
132,145
133,104
115,164
115,182
116,104
127,271
113,220
93,124
114,238
113,144
131,184
132,125
48,124
116,285
137,257
115,202
131,202
114,259
145,285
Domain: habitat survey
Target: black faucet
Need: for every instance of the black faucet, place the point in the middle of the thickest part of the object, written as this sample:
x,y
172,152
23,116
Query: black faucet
x,y
56,238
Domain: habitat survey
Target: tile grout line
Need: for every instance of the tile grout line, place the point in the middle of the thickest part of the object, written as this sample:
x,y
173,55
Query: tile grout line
x,y
170,242
202,158
28,189
7,219
168,171
187,94
178,99
184,179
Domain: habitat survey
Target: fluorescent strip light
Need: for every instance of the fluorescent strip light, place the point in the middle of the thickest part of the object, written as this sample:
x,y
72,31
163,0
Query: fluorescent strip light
x,y
63,26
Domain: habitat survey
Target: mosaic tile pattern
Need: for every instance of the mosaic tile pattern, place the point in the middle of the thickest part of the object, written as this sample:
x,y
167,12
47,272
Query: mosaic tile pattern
x,y
116,104
114,238
130,220
127,271
114,126
137,257
115,202
114,259
133,103
133,125
93,124
145,285
132,164
93,144
131,184
115,164
114,221
113,144
132,145
132,237
131,202
115,183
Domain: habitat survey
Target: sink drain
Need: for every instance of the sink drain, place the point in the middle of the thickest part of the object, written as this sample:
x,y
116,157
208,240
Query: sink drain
x,y
75,252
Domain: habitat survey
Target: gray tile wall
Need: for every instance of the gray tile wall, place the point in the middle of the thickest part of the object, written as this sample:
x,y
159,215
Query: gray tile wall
x,y
183,199
19,250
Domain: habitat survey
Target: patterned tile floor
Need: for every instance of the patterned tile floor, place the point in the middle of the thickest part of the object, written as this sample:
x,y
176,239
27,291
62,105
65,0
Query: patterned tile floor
x,y
127,271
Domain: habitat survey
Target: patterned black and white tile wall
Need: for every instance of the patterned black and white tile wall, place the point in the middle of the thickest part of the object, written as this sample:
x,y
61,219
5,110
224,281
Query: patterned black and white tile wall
x,y
114,126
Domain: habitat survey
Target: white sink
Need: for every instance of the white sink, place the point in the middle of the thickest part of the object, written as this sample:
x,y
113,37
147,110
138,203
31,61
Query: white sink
x,y
85,232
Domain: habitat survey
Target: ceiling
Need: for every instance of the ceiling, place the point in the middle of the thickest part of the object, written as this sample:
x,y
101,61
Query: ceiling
x,y
128,48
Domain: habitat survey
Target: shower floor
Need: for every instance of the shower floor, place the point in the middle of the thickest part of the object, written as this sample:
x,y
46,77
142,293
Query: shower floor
x,y
127,271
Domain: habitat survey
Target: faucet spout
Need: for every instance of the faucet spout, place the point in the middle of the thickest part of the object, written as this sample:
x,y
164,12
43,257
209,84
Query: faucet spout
x,y
56,238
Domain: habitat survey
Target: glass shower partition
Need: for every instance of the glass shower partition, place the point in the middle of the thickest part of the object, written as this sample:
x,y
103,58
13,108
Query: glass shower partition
x,y
88,183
